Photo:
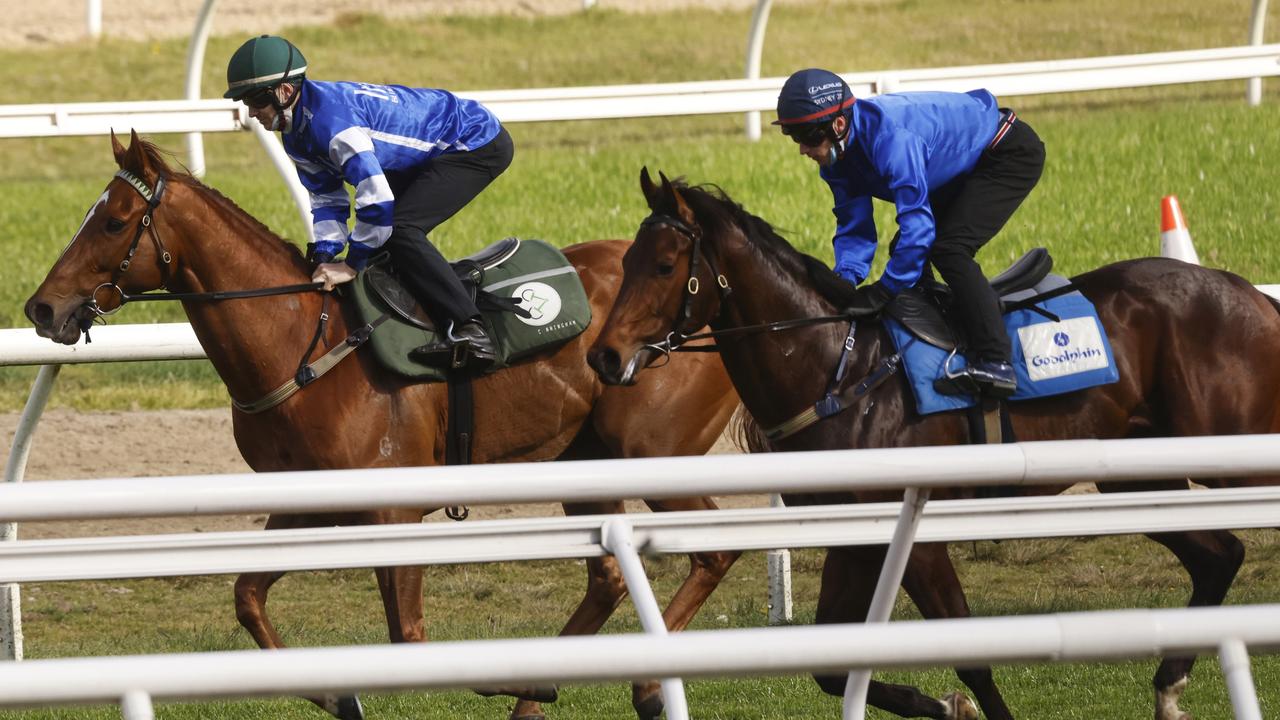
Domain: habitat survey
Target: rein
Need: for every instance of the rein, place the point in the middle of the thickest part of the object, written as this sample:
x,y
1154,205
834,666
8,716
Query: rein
x,y
306,374
831,403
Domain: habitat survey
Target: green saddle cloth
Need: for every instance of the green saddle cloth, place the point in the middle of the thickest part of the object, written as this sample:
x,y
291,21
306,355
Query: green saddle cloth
x,y
529,274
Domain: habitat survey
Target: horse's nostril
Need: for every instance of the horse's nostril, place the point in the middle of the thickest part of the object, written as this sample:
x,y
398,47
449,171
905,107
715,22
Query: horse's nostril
x,y
606,362
40,314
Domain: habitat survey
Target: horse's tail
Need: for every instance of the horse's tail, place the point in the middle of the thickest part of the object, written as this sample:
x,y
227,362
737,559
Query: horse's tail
x,y
746,433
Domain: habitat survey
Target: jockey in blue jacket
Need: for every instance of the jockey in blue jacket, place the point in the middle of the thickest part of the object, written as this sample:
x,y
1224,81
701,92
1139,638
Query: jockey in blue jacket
x,y
955,165
414,156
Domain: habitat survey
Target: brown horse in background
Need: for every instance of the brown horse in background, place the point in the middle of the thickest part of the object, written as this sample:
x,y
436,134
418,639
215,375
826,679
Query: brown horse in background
x,y
1196,350
358,416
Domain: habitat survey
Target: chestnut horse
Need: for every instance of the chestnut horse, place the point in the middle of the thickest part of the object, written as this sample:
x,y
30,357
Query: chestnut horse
x,y
358,416
1195,348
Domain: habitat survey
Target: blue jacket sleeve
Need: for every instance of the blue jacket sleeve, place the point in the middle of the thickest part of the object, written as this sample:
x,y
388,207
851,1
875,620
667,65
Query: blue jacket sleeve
x,y
900,157
855,239
352,150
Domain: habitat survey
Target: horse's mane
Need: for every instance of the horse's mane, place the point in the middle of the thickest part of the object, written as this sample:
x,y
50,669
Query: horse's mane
x,y
716,210
159,161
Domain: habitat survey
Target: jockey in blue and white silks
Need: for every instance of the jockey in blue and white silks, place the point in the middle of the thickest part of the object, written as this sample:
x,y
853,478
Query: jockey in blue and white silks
x,y
415,158
356,132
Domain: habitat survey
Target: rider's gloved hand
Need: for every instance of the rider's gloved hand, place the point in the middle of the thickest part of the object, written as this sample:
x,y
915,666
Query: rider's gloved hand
x,y
333,273
869,299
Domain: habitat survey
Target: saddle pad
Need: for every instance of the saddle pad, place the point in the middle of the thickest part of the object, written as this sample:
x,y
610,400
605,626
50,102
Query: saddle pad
x,y
1050,357
537,275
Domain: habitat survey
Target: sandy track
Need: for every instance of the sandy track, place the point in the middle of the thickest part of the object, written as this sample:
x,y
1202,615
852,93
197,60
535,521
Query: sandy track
x,y
77,446
43,24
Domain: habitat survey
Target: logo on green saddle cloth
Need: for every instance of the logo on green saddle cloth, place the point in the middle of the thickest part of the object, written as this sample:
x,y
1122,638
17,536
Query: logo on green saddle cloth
x,y
540,300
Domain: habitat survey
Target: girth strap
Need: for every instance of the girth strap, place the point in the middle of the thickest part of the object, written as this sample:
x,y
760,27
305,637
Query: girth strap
x,y
311,372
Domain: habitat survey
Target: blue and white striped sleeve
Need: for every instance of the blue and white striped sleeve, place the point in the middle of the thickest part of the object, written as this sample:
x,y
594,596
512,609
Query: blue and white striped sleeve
x,y
352,150
330,205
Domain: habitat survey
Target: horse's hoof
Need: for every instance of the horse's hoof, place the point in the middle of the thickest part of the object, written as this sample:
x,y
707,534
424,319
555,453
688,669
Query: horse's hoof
x,y
649,708
547,694
346,707
960,707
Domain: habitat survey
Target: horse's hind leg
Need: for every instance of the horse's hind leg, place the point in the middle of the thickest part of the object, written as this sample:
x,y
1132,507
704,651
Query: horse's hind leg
x,y
706,570
1211,558
848,584
932,583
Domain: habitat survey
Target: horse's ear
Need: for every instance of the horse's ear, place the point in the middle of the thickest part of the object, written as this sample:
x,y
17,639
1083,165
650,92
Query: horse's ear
x,y
117,149
135,158
682,208
652,193
673,192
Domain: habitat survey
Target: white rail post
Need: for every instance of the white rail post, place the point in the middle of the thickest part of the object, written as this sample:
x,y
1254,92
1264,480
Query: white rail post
x,y
755,48
195,63
778,563
93,18
136,705
14,470
1256,25
1234,658
895,563
616,538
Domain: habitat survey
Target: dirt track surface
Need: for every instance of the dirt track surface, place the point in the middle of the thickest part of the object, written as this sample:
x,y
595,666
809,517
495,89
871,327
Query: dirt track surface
x,y
43,24
83,446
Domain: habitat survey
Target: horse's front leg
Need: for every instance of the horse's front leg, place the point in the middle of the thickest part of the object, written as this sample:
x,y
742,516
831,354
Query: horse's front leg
x,y
251,591
931,581
706,570
605,591
848,584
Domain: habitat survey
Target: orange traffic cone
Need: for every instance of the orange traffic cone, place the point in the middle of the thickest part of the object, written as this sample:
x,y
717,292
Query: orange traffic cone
x,y
1175,239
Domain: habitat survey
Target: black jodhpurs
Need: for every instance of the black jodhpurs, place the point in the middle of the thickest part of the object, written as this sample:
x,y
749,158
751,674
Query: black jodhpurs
x,y
967,214
426,197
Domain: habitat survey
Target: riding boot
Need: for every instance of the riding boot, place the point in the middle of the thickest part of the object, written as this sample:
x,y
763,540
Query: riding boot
x,y
468,345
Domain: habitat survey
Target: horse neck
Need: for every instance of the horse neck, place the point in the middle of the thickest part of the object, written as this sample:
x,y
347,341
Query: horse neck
x,y
777,374
254,343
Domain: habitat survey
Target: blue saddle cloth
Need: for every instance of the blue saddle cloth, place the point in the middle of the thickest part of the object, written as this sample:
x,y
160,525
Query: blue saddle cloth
x,y
1049,357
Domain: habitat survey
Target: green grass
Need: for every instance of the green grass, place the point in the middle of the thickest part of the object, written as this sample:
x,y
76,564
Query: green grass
x,y
1111,157
532,599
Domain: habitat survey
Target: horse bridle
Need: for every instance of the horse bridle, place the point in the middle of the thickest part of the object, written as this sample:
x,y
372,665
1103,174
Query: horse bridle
x,y
693,233
153,197
833,400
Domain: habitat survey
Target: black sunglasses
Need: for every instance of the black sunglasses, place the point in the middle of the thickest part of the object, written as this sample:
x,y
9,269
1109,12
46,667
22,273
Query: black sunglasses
x,y
809,134
260,99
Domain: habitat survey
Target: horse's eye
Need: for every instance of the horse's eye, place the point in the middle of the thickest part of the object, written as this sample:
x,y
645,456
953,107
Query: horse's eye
x,y
114,225
665,270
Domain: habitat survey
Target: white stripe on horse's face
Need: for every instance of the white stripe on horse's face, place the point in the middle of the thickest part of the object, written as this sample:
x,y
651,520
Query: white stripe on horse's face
x,y
101,200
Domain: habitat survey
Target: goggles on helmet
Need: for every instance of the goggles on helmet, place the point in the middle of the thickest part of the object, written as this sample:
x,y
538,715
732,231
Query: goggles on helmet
x,y
261,98
808,134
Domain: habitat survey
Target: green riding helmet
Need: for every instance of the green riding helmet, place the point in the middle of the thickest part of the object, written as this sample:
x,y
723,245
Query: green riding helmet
x,y
263,62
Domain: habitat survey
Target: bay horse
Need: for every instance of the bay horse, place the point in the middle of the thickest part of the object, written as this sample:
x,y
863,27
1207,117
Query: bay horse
x,y
359,416
1195,349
